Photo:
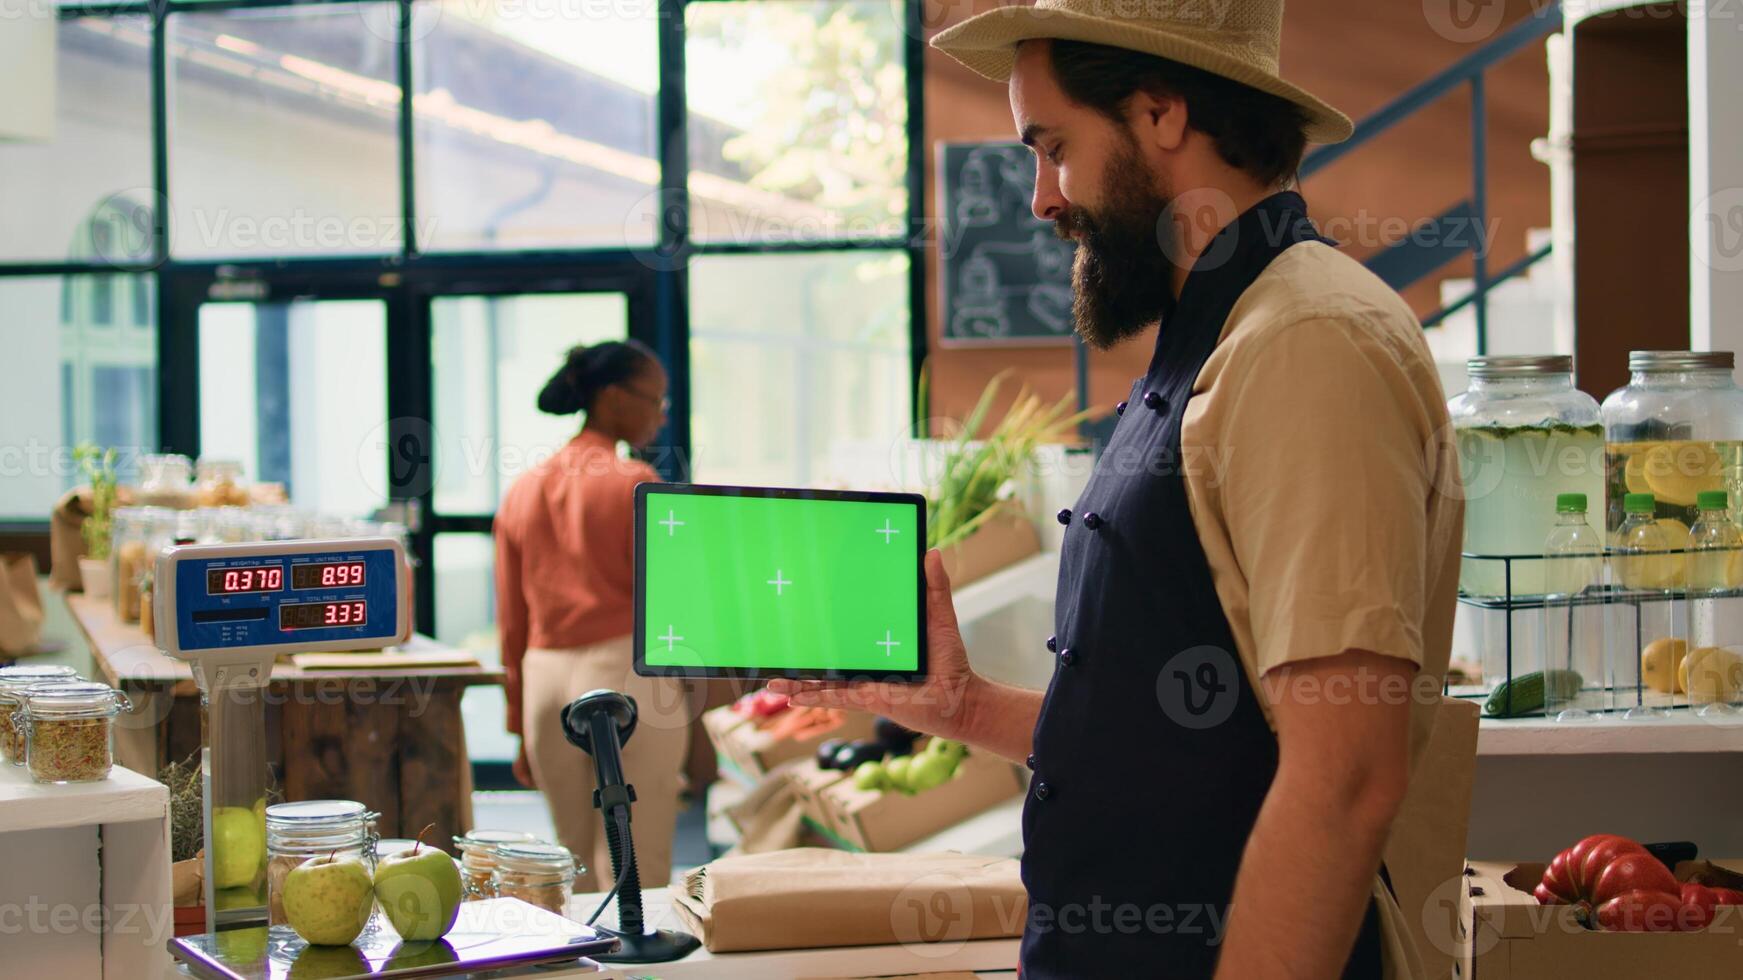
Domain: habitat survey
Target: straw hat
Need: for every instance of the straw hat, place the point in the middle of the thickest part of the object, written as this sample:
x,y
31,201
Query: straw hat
x,y
1236,39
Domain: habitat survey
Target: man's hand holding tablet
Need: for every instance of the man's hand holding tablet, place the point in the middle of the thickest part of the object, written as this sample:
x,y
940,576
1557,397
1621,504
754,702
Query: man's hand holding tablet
x,y
830,595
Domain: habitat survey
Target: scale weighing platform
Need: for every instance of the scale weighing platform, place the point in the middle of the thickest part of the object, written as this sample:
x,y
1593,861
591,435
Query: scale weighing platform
x,y
231,610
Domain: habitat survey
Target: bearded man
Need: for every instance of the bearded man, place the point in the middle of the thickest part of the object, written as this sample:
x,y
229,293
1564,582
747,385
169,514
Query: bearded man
x,y
1247,654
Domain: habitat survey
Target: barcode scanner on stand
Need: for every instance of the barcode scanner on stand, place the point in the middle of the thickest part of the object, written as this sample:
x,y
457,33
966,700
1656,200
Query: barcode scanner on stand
x,y
599,722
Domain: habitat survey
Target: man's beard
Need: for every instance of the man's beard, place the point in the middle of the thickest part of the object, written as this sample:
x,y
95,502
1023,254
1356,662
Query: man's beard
x,y
1121,280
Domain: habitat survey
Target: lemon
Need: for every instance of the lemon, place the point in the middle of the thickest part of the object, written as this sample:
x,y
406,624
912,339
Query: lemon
x,y
1676,472
1661,663
1711,674
1634,472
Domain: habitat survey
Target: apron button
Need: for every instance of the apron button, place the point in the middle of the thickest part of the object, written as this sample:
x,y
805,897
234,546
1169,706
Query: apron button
x,y
1067,657
1030,762
1053,644
1064,515
1092,520
1042,791
1154,401
1120,409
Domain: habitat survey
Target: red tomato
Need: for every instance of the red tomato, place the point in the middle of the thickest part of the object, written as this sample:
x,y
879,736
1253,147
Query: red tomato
x,y
1601,868
1698,903
1639,910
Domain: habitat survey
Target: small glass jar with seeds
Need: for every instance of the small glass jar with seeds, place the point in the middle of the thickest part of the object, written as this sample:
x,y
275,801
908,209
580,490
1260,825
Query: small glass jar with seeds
x,y
67,727
13,681
478,859
539,874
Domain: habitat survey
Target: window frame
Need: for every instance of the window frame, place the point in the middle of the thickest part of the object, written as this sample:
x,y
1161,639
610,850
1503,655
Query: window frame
x,y
408,280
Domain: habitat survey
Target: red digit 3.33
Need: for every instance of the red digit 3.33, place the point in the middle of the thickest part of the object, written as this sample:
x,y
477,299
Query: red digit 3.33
x,y
344,614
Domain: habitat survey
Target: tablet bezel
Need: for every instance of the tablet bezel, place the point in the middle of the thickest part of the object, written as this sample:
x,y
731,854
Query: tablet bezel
x,y
645,669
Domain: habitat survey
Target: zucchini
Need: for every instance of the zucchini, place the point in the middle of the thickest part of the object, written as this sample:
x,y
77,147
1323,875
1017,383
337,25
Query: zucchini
x,y
1529,692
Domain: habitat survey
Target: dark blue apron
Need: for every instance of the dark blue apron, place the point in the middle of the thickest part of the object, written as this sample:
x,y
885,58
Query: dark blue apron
x,y
1151,755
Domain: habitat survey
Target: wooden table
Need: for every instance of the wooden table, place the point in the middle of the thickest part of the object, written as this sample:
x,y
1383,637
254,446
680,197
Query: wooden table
x,y
391,739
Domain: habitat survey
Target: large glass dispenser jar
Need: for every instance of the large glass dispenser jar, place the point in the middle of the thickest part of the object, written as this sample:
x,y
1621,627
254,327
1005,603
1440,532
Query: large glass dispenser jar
x,y
1525,436
1674,430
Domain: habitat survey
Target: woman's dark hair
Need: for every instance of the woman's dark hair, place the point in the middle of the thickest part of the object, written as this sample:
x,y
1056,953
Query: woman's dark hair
x,y
587,371
1258,133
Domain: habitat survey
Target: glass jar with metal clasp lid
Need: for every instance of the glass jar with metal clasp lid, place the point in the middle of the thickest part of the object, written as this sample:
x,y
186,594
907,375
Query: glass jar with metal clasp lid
x,y
538,874
478,858
298,831
1525,436
14,681
67,728
1674,430
126,555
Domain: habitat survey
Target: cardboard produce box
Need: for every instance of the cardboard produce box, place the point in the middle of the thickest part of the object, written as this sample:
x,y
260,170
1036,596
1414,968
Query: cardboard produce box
x,y
1507,935
751,746
875,820
808,781
1000,543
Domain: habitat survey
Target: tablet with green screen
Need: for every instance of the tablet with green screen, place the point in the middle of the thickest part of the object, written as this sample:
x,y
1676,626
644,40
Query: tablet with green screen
x,y
765,582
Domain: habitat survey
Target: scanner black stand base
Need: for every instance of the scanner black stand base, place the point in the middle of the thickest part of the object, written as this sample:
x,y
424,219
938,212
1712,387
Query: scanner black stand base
x,y
660,946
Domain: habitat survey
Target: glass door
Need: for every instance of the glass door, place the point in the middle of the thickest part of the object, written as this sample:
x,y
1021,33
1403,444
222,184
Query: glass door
x,y
489,356
296,391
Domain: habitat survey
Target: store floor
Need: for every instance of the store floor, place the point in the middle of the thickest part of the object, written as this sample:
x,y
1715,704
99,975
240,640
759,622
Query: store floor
x,y
526,810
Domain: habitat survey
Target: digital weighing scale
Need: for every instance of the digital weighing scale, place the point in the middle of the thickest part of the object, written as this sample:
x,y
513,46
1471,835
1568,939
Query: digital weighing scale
x,y
231,610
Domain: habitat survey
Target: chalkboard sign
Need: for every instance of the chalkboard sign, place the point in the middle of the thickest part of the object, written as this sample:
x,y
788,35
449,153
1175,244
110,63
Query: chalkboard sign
x,y
1007,276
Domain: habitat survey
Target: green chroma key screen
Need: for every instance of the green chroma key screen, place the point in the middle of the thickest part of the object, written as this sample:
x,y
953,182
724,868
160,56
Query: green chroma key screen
x,y
752,580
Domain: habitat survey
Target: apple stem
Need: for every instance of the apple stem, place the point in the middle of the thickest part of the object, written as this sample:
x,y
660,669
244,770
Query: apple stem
x,y
420,840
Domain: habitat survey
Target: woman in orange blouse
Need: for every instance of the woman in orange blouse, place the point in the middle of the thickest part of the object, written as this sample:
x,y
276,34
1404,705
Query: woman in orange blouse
x,y
565,607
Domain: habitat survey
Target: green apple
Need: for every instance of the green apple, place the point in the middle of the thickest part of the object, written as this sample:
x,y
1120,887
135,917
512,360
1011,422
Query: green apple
x,y
419,889
328,899
896,771
946,747
327,962
406,956
238,846
930,769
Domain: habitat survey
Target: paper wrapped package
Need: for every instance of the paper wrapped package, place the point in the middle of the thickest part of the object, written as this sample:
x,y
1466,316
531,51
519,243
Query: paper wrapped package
x,y
807,898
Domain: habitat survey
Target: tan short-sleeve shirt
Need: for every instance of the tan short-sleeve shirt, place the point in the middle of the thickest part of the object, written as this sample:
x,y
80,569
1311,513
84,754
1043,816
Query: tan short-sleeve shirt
x,y
1316,458
1315,453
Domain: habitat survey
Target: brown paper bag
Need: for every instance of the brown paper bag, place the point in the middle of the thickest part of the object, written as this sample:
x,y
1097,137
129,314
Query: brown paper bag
x,y
66,543
807,898
20,604
768,817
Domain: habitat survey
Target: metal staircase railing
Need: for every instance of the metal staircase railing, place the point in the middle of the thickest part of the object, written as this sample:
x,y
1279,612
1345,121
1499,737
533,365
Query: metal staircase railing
x,y
1418,255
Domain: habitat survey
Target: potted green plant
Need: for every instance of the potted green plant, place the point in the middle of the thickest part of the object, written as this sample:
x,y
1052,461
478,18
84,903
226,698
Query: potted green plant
x,y
98,467
972,512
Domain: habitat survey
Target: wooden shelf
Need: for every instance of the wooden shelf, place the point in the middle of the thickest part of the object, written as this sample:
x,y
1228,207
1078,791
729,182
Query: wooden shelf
x,y
124,796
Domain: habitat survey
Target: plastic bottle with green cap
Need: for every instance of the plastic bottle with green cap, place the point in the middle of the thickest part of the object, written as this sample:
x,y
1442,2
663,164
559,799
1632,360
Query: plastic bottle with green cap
x,y
1715,560
1637,539
1572,554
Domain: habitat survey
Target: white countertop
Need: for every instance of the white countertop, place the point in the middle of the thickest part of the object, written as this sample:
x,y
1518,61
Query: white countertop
x,y
990,957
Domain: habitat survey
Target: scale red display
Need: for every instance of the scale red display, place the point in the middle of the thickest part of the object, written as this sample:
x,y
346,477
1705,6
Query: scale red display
x,y
321,615
229,581
327,575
